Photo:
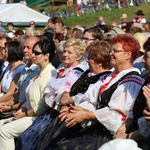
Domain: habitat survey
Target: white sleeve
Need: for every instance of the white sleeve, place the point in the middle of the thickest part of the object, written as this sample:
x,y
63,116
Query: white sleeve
x,y
58,86
122,100
143,20
88,100
68,81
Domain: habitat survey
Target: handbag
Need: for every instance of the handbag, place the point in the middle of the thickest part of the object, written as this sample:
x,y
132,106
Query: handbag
x,y
6,115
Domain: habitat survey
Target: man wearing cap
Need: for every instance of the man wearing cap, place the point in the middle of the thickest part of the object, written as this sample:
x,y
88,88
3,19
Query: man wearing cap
x,y
123,20
139,18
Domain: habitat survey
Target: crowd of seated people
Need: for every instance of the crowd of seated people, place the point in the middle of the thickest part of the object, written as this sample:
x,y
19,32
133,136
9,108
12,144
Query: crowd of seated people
x,y
74,88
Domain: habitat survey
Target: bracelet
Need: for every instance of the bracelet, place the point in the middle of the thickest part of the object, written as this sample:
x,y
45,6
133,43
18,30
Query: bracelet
x,y
11,107
127,136
26,113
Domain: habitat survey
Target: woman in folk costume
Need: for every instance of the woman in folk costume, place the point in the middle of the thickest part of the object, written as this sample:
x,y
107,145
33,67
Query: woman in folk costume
x,y
115,99
73,52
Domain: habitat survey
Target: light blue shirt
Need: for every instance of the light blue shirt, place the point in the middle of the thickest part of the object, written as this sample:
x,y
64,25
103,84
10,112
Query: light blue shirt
x,y
27,74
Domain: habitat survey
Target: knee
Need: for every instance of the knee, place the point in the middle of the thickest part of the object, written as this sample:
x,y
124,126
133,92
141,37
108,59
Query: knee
x,y
4,131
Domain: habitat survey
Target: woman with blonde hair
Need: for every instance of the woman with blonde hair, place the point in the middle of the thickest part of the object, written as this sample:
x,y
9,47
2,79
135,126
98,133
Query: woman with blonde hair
x,y
73,52
114,98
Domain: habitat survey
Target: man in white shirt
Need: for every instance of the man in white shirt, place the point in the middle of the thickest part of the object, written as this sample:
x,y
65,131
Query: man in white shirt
x,y
139,18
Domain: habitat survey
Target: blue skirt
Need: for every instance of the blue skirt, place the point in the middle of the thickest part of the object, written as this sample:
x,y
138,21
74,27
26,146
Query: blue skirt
x,y
28,139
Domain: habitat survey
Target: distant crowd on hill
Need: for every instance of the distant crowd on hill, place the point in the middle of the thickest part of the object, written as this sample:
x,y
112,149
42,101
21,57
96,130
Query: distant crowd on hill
x,y
75,88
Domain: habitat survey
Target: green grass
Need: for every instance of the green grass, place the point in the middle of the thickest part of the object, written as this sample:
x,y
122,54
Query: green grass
x,y
114,15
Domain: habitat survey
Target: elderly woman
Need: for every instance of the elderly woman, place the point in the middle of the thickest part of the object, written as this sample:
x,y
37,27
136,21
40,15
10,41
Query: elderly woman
x,y
73,52
116,96
99,68
136,127
43,53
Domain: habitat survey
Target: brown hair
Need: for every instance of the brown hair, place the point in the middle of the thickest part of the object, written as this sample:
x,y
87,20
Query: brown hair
x,y
99,52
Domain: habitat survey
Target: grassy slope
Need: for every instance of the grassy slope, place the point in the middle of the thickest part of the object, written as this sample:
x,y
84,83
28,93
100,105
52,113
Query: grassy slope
x,y
109,16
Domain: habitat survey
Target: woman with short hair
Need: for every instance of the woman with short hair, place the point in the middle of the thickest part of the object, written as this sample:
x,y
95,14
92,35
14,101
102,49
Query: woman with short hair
x,y
14,55
115,97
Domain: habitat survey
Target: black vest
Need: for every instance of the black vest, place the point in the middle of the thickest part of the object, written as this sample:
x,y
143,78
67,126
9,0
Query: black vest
x,y
82,84
104,98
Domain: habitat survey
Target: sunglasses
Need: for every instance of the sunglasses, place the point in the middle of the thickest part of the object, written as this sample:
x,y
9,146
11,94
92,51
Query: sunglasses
x,y
31,24
36,53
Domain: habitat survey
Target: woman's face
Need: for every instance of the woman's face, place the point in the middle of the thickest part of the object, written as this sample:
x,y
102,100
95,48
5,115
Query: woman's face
x,y
2,50
38,56
58,27
70,57
93,66
118,56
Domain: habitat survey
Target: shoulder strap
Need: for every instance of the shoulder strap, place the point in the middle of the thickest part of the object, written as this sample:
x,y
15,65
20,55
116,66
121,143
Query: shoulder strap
x,y
103,73
140,103
78,68
83,83
104,98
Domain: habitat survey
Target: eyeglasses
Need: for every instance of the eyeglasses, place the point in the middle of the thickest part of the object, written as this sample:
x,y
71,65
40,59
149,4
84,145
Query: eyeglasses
x,y
31,24
87,39
2,48
36,53
116,51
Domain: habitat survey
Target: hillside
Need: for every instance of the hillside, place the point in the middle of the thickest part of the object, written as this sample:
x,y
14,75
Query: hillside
x,y
110,16
90,19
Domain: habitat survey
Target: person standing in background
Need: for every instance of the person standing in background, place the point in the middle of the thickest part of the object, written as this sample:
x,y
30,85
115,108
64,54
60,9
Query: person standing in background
x,y
139,18
11,30
78,6
32,24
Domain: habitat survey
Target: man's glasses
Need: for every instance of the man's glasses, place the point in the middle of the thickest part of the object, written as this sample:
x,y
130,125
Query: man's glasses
x,y
115,51
31,24
87,39
36,53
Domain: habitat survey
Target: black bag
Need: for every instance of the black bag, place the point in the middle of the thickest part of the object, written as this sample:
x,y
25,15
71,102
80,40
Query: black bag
x,y
6,115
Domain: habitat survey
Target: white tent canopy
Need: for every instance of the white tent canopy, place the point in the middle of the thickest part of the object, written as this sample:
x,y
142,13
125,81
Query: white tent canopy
x,y
20,14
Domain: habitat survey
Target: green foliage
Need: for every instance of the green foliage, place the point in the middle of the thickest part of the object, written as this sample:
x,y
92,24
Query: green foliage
x,y
88,20
113,15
